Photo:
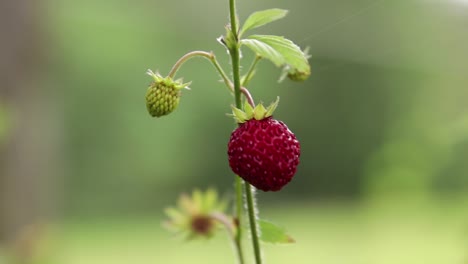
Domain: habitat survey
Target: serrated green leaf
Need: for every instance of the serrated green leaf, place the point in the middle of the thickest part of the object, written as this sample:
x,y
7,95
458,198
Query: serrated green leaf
x,y
281,51
264,50
271,233
261,18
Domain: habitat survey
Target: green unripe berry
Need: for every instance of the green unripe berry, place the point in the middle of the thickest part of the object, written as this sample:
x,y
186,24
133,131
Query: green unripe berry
x,y
161,100
299,76
163,95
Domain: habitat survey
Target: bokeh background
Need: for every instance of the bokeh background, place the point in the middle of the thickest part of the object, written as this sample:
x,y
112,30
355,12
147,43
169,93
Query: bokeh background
x,y
85,172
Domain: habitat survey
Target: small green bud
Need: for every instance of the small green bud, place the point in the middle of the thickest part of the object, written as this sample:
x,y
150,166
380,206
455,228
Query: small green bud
x,y
230,40
299,76
258,113
163,95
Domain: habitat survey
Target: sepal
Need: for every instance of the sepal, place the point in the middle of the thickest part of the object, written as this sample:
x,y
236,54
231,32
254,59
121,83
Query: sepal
x,y
257,113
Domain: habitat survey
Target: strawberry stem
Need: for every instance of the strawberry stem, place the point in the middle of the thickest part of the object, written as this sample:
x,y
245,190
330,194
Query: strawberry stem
x,y
226,222
253,211
208,55
235,59
233,16
237,94
248,96
246,79
239,210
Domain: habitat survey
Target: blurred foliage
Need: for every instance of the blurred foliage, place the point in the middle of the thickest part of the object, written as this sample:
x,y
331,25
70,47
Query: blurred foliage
x,y
198,215
4,123
380,114
328,233
383,118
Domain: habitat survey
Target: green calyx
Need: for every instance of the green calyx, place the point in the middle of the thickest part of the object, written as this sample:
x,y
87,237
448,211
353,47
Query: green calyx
x,y
257,113
163,95
168,81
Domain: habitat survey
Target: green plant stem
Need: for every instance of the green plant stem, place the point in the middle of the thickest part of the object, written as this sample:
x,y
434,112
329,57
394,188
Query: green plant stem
x,y
208,55
233,16
251,71
236,76
223,74
239,182
235,59
239,207
225,221
230,228
251,206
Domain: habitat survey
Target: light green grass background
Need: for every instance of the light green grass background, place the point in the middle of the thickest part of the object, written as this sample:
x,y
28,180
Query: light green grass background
x,y
404,232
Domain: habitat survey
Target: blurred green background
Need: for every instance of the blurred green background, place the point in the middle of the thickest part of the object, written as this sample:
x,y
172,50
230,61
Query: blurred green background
x,y
85,172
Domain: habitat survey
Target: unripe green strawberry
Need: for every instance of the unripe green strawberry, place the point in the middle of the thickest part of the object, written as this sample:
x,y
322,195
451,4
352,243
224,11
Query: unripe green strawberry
x,y
299,76
262,150
163,95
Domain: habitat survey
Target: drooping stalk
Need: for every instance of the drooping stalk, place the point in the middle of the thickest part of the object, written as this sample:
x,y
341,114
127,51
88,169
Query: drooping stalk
x,y
208,55
248,96
235,59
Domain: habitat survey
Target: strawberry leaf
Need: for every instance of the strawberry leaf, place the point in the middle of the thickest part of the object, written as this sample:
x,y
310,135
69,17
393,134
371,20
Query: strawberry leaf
x,y
271,233
261,18
264,50
279,50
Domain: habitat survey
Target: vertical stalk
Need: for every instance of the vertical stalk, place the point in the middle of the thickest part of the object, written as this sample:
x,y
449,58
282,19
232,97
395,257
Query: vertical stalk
x,y
233,16
239,211
237,94
252,207
235,59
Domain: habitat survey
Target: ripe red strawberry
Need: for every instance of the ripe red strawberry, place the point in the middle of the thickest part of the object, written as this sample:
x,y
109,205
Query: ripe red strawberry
x,y
262,150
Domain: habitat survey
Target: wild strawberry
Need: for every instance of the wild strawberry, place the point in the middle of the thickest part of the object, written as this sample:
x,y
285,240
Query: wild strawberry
x,y
299,76
163,95
262,150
